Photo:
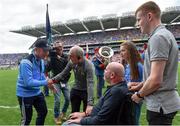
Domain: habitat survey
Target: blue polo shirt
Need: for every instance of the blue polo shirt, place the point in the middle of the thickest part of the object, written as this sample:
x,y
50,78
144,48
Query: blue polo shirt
x,y
31,77
98,71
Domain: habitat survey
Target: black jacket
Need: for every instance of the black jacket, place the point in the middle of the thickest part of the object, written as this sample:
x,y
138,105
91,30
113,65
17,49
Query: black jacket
x,y
106,111
57,65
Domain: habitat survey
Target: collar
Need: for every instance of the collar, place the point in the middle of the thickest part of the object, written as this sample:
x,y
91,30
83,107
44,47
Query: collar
x,y
156,29
36,59
118,83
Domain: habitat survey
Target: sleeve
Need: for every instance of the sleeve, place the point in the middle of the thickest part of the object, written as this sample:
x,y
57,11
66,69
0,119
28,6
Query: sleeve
x,y
94,61
111,102
65,72
97,64
159,48
90,83
26,70
43,74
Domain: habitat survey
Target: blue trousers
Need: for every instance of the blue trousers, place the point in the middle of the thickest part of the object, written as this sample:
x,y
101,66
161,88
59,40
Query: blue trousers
x,y
26,107
100,84
138,112
57,99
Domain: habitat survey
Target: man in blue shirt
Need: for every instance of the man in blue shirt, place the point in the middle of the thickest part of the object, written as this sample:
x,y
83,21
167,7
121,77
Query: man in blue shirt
x,y
31,77
99,71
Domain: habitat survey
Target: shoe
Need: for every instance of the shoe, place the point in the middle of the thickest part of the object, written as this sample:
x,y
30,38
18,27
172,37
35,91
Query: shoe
x,y
57,121
62,116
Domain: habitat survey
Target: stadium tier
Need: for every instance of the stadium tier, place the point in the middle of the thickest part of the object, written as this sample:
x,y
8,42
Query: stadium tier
x,y
96,31
93,24
110,30
9,60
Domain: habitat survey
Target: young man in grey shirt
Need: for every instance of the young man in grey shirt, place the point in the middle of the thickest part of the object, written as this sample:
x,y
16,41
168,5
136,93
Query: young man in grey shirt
x,y
82,89
160,68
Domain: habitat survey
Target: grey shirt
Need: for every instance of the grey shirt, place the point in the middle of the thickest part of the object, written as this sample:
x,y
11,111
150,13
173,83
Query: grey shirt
x,y
83,74
162,46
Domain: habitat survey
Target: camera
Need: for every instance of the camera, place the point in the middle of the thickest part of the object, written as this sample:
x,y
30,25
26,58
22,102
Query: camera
x,y
52,52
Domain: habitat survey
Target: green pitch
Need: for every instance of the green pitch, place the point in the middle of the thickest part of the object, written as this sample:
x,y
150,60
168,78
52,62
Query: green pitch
x,y
9,109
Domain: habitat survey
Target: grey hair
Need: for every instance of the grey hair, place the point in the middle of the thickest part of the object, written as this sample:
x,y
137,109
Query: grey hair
x,y
79,52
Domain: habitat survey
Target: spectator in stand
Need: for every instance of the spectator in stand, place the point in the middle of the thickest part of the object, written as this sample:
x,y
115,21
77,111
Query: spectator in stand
x,y
133,69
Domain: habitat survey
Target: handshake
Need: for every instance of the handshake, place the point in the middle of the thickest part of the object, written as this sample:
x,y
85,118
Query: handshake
x,y
51,85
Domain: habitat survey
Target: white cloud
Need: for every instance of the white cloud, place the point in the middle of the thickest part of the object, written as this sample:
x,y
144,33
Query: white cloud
x,y
17,13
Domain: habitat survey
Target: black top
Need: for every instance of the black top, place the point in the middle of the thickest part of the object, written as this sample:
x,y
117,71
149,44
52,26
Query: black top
x,y
106,111
57,65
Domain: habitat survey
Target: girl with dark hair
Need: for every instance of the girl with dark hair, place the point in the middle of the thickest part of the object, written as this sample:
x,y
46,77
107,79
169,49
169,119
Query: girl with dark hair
x,y
133,68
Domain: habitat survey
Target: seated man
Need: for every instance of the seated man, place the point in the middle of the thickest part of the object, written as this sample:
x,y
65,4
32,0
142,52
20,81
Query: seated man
x,y
106,111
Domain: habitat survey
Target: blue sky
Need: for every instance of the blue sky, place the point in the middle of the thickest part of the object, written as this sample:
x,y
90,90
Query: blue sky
x,y
14,14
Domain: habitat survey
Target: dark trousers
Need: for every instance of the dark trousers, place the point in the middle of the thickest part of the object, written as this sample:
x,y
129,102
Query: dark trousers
x,y
46,90
155,118
76,96
26,106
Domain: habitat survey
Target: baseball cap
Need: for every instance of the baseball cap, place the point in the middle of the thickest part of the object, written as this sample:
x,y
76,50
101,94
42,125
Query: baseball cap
x,y
42,43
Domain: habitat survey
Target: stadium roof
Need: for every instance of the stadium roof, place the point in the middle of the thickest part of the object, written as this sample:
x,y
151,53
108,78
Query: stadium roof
x,y
93,24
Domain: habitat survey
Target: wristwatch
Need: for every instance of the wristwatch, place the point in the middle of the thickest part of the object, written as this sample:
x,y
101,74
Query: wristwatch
x,y
138,94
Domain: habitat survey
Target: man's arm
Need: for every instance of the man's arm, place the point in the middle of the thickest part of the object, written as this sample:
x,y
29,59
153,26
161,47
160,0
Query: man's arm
x,y
135,86
97,64
65,72
90,83
154,81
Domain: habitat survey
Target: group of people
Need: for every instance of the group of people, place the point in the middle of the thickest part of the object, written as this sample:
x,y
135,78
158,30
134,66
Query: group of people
x,y
152,80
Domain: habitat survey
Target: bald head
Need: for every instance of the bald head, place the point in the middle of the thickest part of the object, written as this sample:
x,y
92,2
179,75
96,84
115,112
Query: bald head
x,y
117,68
114,73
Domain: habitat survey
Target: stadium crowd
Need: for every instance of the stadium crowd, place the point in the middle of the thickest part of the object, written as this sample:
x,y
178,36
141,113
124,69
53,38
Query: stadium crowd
x,y
110,36
99,37
11,59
